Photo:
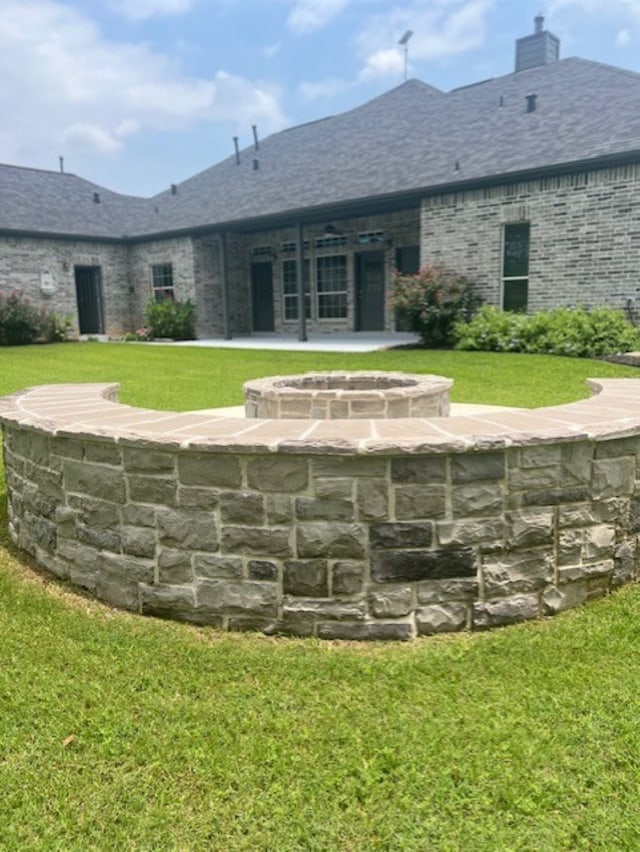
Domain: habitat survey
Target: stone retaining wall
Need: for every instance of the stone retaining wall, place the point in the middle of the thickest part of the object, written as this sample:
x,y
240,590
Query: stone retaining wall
x,y
340,529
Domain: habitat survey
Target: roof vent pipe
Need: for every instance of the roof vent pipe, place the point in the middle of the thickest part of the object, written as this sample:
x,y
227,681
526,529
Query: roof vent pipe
x,y
96,198
61,158
256,164
531,102
235,143
174,189
256,144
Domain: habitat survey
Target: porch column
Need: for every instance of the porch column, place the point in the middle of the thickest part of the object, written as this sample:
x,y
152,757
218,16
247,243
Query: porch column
x,y
226,330
302,308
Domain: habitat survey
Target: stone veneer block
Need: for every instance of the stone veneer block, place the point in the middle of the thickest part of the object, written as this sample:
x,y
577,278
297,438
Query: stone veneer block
x,y
505,611
331,540
441,618
281,473
358,631
244,596
306,578
220,471
94,481
395,566
347,578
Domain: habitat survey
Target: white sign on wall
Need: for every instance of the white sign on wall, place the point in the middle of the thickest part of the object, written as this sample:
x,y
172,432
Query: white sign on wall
x,y
47,283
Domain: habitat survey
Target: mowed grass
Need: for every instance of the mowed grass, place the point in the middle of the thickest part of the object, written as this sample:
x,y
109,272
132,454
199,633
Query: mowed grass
x,y
119,732
182,378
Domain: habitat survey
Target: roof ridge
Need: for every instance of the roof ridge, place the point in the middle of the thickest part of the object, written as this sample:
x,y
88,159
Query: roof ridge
x,y
625,72
36,169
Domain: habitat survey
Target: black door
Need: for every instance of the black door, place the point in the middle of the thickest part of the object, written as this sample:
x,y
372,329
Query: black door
x,y
262,296
370,291
89,299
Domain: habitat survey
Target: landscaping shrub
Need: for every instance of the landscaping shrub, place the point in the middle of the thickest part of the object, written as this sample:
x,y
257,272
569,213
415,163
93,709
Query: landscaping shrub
x,y
431,302
21,322
172,319
576,332
54,328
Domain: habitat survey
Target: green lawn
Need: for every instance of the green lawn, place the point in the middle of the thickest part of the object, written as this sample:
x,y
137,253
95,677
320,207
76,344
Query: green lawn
x,y
118,732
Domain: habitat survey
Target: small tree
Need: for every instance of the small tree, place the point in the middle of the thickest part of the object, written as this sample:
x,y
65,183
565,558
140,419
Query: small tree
x,y
432,301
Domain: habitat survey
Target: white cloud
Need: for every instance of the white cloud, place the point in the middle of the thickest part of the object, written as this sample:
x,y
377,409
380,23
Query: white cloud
x,y
326,88
67,88
440,29
140,10
90,136
387,62
272,49
307,16
619,17
593,7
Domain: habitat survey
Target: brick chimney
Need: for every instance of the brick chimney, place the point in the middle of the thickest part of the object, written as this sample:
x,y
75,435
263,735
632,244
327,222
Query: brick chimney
x,y
541,48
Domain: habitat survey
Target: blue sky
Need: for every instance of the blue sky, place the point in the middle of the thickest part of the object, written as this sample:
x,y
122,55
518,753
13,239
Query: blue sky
x,y
138,94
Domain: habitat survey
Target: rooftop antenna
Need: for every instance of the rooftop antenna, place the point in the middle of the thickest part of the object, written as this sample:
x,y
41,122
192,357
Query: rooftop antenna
x,y
404,42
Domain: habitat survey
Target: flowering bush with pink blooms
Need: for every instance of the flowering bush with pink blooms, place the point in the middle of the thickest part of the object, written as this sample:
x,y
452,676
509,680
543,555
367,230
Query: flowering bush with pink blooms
x,y
21,322
431,302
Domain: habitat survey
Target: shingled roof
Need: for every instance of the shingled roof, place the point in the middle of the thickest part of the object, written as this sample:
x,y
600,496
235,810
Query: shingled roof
x,y
408,142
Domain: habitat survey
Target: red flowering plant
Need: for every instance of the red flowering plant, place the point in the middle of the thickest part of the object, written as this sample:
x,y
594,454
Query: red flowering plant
x,y
430,303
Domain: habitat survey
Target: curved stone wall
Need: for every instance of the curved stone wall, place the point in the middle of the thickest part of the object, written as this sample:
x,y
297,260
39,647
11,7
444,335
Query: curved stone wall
x,y
364,529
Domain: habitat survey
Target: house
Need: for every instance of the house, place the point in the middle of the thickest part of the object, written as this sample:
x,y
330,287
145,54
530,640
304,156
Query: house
x,y
528,184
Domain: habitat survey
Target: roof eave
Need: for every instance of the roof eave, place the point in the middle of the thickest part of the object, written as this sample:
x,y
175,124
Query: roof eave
x,y
55,235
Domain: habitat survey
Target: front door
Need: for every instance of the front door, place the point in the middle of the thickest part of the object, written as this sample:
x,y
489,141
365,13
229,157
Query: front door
x,y
370,291
262,296
89,299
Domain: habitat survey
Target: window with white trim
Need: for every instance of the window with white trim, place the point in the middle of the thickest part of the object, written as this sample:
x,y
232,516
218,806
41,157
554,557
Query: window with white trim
x,y
290,311
162,281
515,267
331,285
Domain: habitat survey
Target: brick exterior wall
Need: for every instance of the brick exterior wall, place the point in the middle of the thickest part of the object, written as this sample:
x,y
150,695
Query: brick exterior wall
x,y
584,244
24,260
399,229
175,251
584,249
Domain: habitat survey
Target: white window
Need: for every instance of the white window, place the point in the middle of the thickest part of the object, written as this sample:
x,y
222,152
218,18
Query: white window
x,y
290,290
162,281
331,283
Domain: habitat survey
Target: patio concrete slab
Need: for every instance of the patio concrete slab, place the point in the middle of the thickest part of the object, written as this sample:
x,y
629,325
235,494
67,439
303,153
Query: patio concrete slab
x,y
355,342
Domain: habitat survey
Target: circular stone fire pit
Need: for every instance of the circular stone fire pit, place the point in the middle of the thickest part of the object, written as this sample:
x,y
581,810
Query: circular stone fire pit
x,y
348,396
